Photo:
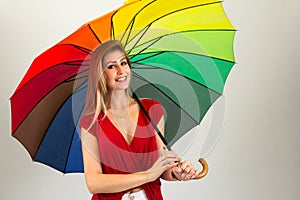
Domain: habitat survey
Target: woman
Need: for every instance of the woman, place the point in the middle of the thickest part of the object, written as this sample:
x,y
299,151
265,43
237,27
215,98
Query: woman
x,y
123,156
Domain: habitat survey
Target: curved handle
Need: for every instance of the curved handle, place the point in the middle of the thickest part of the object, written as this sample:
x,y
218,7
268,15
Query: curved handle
x,y
204,169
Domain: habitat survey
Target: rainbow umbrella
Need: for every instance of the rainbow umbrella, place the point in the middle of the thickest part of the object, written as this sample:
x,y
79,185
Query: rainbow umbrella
x,y
181,53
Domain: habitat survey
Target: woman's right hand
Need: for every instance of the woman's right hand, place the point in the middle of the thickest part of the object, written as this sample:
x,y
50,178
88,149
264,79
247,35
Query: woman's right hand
x,y
166,160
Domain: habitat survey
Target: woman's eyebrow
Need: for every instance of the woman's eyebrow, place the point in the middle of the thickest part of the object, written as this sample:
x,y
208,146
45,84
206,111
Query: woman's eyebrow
x,y
115,61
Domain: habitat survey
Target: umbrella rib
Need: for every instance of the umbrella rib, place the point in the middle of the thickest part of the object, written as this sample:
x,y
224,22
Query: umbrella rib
x,y
186,31
65,63
62,63
65,81
140,38
142,78
42,139
161,52
130,25
185,8
155,40
98,39
144,31
74,63
77,77
74,130
153,67
153,55
112,30
82,108
75,46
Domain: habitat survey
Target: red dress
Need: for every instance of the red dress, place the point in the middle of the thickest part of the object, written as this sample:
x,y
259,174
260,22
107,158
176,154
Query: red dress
x,y
119,157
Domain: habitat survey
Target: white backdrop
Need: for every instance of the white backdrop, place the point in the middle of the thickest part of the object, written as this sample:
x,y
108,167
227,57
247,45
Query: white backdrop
x,y
257,156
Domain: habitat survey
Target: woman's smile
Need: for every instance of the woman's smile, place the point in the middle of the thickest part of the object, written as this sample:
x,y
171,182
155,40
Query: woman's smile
x,y
121,79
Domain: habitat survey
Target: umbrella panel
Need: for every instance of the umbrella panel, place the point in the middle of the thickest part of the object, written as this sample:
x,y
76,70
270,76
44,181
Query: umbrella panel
x,y
210,72
61,146
171,90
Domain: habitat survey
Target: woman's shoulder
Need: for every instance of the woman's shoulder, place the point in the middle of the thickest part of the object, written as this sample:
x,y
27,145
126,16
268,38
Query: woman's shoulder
x,y
154,108
89,118
149,102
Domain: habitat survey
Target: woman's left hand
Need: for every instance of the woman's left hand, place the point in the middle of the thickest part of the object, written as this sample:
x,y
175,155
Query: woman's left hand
x,y
185,171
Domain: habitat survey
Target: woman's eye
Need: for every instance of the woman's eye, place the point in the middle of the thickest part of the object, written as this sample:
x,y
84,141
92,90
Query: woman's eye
x,y
123,63
110,66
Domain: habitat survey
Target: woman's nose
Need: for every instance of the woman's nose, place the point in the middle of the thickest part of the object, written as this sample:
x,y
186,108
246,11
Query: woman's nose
x,y
120,69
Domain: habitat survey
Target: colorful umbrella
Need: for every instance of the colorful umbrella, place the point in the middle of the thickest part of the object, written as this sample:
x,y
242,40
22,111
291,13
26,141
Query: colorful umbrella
x,y
181,55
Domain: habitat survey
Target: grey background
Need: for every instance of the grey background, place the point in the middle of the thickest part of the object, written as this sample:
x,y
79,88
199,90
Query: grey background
x,y
257,155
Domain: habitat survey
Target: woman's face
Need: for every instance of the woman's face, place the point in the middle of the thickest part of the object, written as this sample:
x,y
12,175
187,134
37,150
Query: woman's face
x,y
117,71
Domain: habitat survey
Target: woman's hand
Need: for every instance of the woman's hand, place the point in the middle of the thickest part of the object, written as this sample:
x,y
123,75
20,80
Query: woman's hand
x,y
166,160
185,171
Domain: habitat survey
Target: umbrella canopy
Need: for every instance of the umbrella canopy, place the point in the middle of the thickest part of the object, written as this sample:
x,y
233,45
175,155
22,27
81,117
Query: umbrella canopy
x,y
181,54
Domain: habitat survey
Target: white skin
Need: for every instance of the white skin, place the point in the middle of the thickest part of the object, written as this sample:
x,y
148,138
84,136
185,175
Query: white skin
x,y
117,73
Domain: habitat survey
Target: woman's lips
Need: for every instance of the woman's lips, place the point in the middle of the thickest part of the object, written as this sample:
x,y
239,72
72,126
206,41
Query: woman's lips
x,y
121,79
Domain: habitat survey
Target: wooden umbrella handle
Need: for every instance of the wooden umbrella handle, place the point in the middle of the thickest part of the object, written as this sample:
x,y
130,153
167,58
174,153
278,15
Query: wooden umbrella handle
x,y
204,169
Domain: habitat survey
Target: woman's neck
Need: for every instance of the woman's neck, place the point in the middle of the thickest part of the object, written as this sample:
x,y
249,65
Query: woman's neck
x,y
118,100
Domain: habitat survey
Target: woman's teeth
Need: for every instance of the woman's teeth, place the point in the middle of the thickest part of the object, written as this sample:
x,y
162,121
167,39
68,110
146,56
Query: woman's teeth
x,y
121,79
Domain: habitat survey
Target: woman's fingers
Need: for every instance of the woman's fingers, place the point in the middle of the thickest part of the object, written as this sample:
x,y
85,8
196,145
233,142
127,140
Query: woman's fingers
x,y
166,160
186,171
167,153
168,157
169,161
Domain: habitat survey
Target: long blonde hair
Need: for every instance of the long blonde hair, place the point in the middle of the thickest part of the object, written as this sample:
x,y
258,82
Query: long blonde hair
x,y
97,92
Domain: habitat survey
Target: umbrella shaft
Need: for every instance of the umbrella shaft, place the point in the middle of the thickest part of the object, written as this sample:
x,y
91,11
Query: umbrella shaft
x,y
167,147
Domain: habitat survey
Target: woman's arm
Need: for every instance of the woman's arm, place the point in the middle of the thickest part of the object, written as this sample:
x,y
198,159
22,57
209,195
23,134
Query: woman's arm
x,y
168,174
184,172
97,182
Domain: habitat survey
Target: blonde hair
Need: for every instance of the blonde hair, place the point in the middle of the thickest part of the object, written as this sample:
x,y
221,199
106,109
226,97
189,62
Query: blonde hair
x,y
97,92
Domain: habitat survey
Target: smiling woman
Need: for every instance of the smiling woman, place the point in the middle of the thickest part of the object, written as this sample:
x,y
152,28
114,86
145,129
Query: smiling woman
x,y
117,71
123,156
260,139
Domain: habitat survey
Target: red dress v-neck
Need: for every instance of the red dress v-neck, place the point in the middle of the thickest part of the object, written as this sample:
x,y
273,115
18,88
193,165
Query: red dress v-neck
x,y
112,125
119,157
